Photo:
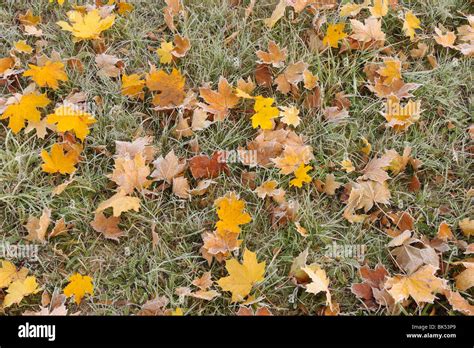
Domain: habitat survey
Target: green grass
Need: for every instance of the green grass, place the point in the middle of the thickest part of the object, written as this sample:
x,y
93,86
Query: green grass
x,y
128,273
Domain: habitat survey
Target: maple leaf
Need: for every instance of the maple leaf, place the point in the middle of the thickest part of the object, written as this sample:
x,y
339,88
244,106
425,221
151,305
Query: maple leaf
x,y
24,107
9,273
219,245
410,23
379,9
120,203
373,284
467,226
264,113
268,188
219,102
164,52
391,70
130,174
132,86
277,13
370,31
290,78
181,187
375,169
365,194
421,285
29,19
412,253
108,65
78,287
459,303
334,114
141,145
334,34
301,176
37,227
40,127
275,56
444,232
310,80
48,74
331,185
170,87
182,46
230,211
465,279
22,47
347,165
58,161
401,117
200,121
445,40
292,157
18,289
72,118
168,167
289,115
203,166
319,282
351,10
242,277
87,26
108,226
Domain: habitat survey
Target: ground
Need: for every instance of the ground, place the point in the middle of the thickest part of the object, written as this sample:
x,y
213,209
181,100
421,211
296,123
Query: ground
x,y
128,273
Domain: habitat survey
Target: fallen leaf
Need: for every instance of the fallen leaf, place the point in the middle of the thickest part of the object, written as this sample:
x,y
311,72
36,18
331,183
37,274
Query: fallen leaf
x,y
78,287
242,277
108,226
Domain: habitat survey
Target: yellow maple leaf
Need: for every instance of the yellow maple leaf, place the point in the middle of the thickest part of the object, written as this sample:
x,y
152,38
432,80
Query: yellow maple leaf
x,y
19,289
401,117
25,108
9,273
58,161
120,202
70,118
392,70
132,86
421,285
350,9
334,33
264,113
47,75
87,26
290,115
242,277
164,52
230,211
347,165
410,23
301,176
22,46
379,9
78,287
170,87
60,2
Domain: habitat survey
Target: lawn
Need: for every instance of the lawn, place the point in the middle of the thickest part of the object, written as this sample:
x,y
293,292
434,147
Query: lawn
x,y
160,250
